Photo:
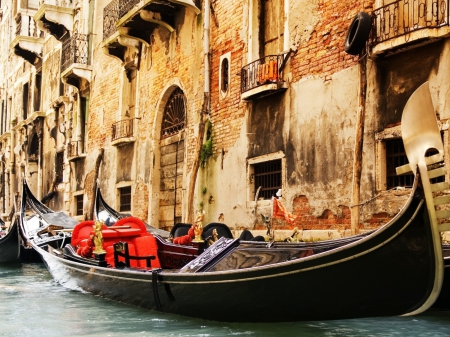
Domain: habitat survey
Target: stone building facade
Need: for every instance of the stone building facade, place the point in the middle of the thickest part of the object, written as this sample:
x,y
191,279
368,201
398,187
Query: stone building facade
x,y
243,98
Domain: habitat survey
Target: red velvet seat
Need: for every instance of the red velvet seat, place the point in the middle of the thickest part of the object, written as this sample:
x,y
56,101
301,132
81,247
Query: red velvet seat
x,y
81,231
145,246
110,255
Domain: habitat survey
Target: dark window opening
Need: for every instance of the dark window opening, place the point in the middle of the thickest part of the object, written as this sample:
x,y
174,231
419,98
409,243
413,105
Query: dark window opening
x,y
25,96
79,204
125,199
395,157
33,153
59,167
37,92
268,177
224,79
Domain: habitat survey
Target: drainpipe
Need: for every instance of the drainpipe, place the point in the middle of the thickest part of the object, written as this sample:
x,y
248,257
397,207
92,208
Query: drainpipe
x,y
206,46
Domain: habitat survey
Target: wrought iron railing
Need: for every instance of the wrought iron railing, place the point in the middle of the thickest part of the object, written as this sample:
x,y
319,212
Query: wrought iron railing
x,y
75,148
122,129
110,17
75,50
126,5
403,17
261,72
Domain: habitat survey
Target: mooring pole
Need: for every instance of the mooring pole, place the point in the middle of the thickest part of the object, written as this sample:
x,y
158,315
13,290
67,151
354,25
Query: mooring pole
x,y
359,140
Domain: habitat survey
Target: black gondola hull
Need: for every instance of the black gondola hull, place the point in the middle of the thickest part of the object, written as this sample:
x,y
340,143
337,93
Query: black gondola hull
x,y
391,272
9,244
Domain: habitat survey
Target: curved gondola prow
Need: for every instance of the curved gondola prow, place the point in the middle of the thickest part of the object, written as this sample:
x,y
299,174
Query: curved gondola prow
x,y
420,133
104,212
107,214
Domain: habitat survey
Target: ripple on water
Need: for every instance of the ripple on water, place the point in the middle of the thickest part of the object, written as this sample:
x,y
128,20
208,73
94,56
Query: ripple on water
x,y
33,305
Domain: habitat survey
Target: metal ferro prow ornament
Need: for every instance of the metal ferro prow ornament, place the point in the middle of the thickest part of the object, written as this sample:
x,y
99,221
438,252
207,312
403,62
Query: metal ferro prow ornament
x,y
420,133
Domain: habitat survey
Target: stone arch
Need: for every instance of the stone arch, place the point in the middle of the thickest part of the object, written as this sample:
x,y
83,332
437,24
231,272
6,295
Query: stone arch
x,y
169,157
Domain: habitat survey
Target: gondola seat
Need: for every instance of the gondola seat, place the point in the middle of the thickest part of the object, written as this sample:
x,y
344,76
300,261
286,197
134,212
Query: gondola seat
x,y
222,230
179,229
146,246
110,255
81,232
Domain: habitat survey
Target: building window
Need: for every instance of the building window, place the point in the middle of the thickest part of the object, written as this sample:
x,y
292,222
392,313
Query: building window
x,y
125,199
25,96
224,74
272,27
267,178
395,157
79,204
174,116
59,167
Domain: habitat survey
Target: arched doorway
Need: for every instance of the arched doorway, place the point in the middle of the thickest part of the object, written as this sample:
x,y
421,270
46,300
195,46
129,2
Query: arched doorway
x,y
172,160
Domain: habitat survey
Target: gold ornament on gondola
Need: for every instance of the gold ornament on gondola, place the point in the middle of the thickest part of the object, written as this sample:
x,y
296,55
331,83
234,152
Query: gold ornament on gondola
x,y
198,226
98,237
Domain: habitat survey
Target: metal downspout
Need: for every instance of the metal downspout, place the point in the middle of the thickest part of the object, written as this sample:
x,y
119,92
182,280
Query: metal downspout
x,y
206,43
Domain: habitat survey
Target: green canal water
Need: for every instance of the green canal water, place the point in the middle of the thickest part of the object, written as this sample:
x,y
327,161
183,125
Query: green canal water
x,y
33,305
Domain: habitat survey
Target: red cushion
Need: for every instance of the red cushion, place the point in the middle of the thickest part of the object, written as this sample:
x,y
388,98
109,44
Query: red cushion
x,y
110,255
128,232
145,246
109,233
81,231
133,222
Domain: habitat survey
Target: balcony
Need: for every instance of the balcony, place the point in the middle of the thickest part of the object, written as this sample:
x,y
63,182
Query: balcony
x,y
28,42
75,68
122,132
405,24
55,17
75,150
263,77
127,23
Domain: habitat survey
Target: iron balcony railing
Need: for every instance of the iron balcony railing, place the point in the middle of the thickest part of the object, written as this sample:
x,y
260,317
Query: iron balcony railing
x,y
113,12
126,5
110,17
123,129
75,148
403,17
261,72
75,49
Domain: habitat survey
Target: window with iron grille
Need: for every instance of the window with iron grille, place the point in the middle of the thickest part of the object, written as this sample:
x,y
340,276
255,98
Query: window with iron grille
x,y
267,175
125,199
79,204
59,167
395,157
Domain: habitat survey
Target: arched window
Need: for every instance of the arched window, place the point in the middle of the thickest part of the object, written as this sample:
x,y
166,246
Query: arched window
x,y
174,114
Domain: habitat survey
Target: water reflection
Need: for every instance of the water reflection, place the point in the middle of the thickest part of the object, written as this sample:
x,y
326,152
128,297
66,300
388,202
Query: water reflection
x,y
32,304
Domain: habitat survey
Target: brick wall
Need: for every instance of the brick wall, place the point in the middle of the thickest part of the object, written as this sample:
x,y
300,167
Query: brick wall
x,y
322,52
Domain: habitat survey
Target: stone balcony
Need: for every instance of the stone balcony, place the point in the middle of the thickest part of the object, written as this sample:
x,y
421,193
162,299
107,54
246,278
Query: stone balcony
x,y
28,41
55,17
128,23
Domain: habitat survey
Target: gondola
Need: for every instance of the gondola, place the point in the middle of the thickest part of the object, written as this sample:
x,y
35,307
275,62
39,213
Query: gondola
x,y
42,226
107,214
395,270
9,242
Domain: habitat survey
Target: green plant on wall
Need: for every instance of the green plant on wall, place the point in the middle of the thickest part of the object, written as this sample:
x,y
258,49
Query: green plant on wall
x,y
206,150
